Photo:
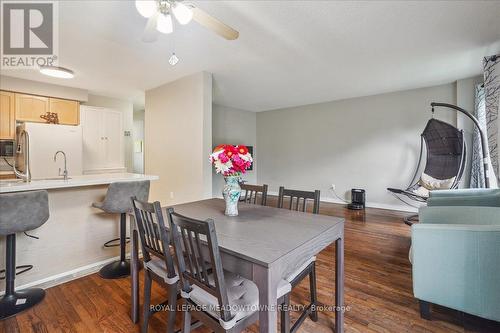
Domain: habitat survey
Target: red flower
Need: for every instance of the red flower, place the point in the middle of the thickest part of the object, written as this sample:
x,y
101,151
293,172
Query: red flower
x,y
230,150
219,147
243,150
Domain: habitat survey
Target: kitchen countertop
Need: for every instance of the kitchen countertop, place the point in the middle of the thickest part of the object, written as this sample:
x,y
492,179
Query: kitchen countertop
x,y
7,186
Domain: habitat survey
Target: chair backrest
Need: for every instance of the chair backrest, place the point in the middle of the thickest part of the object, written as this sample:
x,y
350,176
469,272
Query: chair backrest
x,y
117,198
253,191
297,196
153,234
190,237
23,211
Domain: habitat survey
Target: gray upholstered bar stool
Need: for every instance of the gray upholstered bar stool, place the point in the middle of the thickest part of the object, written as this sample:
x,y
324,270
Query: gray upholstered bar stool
x,y
118,201
20,212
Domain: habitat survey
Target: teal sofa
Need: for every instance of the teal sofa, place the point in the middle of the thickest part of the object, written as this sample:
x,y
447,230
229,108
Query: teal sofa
x,y
456,252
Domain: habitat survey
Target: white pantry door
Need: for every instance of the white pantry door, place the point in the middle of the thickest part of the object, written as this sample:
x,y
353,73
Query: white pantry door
x,y
113,139
93,140
102,139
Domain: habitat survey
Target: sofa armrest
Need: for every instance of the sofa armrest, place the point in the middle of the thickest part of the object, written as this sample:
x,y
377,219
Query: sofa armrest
x,y
457,266
464,192
463,215
465,197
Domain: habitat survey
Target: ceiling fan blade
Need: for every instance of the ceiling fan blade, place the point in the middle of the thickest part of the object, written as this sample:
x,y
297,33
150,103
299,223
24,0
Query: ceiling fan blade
x,y
213,24
150,33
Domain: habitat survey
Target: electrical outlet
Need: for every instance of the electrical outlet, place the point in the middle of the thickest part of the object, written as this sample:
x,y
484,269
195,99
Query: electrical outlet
x,y
332,187
171,195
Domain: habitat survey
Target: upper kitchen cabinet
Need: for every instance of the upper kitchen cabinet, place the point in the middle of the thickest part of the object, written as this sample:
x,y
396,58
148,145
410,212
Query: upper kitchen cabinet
x,y
30,107
103,149
67,111
7,116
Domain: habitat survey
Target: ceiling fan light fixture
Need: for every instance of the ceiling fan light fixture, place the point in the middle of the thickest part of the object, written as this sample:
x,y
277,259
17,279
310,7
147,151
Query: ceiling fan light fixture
x,y
182,13
58,72
146,7
164,24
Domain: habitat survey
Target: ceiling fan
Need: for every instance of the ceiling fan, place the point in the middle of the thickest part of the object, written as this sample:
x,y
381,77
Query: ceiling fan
x,y
159,15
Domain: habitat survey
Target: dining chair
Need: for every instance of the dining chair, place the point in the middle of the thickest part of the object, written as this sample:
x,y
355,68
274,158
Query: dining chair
x,y
223,301
254,191
309,267
296,196
158,261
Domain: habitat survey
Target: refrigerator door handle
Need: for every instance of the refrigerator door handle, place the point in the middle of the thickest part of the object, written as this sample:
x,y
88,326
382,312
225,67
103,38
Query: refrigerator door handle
x,y
26,176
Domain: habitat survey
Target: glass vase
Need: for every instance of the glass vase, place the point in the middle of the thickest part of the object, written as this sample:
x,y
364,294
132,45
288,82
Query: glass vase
x,y
231,193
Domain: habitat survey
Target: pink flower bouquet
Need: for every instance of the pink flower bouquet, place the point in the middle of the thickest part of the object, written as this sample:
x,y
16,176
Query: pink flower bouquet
x,y
230,160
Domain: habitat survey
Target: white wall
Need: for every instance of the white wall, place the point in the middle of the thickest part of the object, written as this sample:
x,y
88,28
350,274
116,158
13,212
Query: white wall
x,y
127,109
178,139
234,126
42,88
137,136
369,142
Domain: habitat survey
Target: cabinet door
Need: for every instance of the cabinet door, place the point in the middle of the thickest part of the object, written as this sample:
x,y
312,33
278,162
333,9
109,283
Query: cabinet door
x,y
7,116
30,108
93,139
67,111
113,132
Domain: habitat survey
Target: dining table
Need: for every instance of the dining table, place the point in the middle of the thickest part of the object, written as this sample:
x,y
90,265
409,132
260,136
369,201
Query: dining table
x,y
263,244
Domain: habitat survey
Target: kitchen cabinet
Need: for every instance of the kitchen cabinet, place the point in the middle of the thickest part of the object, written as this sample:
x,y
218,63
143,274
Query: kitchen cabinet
x,y
31,107
7,116
103,149
67,111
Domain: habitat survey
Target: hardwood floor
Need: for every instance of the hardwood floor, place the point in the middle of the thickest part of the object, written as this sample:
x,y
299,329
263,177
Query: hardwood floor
x,y
378,290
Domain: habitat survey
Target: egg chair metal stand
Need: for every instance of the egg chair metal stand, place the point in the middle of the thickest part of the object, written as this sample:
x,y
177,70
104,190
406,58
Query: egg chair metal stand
x,y
443,156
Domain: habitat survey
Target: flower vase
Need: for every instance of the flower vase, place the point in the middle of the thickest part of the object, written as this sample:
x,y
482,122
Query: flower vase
x,y
231,193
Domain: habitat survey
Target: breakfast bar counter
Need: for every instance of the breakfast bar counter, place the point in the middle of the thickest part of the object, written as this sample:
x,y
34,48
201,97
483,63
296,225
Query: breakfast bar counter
x,y
71,242
8,185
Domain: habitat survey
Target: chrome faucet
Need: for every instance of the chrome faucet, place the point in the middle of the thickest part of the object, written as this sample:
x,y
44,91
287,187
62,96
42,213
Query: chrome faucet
x,y
65,172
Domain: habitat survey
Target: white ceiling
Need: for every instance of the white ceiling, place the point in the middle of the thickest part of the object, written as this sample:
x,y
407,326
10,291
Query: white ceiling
x,y
289,52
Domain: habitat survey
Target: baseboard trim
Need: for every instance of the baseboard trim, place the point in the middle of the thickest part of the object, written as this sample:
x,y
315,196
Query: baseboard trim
x,y
401,208
64,277
368,204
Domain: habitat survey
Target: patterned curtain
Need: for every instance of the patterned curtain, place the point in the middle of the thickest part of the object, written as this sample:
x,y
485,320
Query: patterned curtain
x,y
477,168
492,96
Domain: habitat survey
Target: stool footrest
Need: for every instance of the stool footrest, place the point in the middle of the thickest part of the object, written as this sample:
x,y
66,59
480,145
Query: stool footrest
x,y
110,242
19,270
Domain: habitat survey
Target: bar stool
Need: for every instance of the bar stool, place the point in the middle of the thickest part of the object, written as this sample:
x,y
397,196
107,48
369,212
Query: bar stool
x,y
20,212
117,200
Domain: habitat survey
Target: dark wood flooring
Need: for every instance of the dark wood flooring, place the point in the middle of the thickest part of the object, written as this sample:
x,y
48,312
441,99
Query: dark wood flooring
x,y
378,290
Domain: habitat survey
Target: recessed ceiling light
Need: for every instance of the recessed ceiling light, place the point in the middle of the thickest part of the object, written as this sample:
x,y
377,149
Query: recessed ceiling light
x,y
59,72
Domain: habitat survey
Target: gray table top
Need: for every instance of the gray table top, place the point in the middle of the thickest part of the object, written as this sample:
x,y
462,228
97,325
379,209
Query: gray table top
x,y
259,234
